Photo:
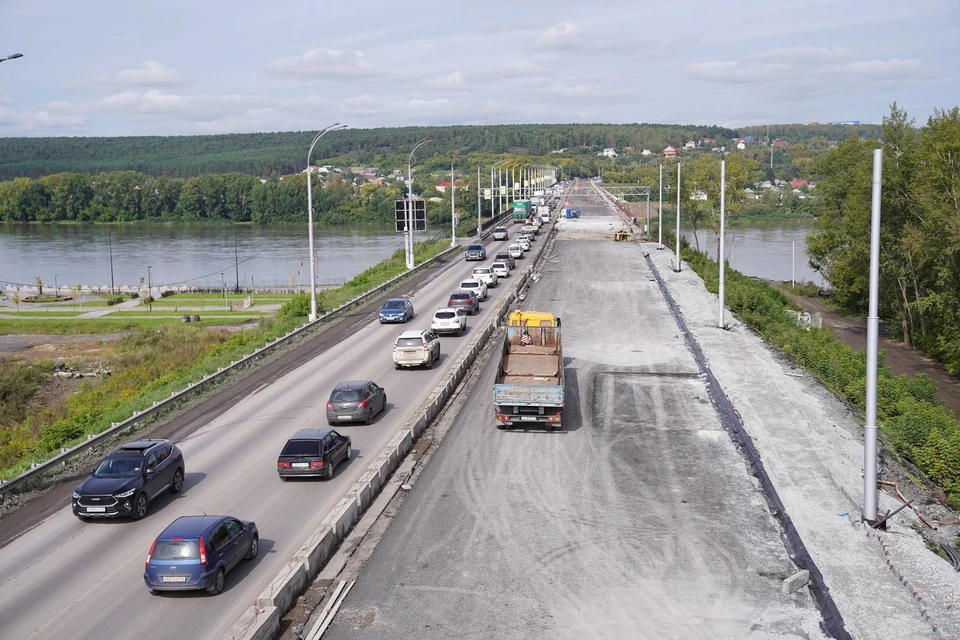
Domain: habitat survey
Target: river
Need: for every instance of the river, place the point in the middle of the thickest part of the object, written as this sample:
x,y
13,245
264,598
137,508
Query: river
x,y
270,256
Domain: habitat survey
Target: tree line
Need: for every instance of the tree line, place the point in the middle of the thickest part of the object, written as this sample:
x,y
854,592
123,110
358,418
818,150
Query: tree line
x,y
920,229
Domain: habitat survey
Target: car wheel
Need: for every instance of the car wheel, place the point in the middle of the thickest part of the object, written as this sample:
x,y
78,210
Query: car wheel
x,y
460,331
349,452
397,367
254,548
430,362
383,407
369,418
333,469
140,507
216,587
177,483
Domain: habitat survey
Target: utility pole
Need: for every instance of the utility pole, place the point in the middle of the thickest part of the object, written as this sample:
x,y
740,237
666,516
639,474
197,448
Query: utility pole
x,y
236,253
678,217
660,209
110,240
453,209
870,428
479,224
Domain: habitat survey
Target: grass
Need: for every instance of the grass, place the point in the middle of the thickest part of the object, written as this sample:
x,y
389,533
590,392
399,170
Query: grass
x,y
33,313
78,326
170,313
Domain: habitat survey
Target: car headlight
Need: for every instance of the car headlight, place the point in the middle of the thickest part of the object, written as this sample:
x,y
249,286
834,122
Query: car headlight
x,y
76,496
125,494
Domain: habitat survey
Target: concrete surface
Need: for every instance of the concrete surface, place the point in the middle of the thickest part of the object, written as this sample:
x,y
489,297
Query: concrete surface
x,y
638,520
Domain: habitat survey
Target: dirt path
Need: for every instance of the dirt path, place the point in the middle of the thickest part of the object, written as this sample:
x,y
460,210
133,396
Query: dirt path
x,y
899,357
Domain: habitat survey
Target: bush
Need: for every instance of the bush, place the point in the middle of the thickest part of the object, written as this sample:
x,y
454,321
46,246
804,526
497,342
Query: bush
x,y
113,301
297,307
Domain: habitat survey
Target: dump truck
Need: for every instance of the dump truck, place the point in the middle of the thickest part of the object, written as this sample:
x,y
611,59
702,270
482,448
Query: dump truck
x,y
528,389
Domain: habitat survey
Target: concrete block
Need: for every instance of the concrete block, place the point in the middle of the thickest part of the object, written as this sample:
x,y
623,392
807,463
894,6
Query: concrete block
x,y
285,588
255,624
795,582
402,442
385,467
344,515
318,548
368,486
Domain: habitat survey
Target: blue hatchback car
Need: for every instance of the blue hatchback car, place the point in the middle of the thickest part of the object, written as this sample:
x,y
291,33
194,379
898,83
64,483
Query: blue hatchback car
x,y
396,310
196,552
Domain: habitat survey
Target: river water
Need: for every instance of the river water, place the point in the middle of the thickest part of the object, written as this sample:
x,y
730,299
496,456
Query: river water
x,y
270,256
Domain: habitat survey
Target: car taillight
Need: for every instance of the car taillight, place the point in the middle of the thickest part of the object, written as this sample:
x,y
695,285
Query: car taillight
x,y
146,564
316,464
329,406
394,347
363,404
283,465
203,551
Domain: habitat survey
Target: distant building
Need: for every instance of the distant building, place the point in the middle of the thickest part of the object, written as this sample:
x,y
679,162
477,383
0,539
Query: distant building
x,y
646,152
690,145
559,150
709,142
796,184
749,193
443,186
670,152
741,146
698,195
779,144
748,139
854,122
608,153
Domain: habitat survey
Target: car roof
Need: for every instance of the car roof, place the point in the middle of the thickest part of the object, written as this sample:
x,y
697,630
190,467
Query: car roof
x,y
470,280
475,246
396,300
412,333
313,433
462,292
138,446
352,384
190,526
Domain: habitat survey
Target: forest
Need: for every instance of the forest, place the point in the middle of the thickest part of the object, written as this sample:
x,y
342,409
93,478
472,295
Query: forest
x,y
266,155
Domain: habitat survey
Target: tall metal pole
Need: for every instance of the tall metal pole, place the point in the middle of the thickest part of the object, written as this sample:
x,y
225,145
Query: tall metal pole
x,y
236,256
660,210
647,230
479,225
723,192
313,261
223,287
870,429
793,265
149,289
410,221
110,240
453,208
678,217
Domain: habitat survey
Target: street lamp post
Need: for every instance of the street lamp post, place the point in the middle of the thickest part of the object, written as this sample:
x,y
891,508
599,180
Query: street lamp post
x,y
313,263
410,221
56,284
223,287
678,218
149,289
453,207
479,224
12,56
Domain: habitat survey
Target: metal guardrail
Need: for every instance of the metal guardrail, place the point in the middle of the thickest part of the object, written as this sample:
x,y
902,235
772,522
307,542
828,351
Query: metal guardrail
x,y
39,469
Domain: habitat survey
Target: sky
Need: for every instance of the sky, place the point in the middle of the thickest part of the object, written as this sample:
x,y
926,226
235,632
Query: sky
x,y
102,68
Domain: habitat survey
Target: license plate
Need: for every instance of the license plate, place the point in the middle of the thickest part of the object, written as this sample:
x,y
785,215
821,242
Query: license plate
x,y
174,578
528,418
300,465
96,509
344,417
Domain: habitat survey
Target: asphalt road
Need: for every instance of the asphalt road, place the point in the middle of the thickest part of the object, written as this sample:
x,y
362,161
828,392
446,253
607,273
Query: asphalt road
x,y
638,520
70,579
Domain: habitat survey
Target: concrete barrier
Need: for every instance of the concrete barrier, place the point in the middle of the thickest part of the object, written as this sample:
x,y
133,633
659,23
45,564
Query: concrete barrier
x,y
285,588
255,624
317,550
343,516
367,488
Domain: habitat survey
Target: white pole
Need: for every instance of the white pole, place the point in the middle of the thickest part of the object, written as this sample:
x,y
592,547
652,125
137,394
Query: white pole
x,y
453,210
723,189
678,217
313,262
479,224
870,429
660,210
793,265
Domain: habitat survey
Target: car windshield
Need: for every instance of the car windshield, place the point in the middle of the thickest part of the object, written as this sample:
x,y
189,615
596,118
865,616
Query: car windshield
x,y
118,468
393,304
175,550
475,247
458,297
481,271
503,254
444,315
301,448
346,395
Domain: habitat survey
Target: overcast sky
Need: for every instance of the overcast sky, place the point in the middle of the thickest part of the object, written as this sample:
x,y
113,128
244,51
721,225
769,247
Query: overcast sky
x,y
102,68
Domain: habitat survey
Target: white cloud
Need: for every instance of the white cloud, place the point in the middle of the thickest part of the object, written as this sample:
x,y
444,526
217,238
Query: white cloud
x,y
41,119
365,105
559,35
5,98
453,81
523,69
324,63
802,54
881,69
151,101
150,74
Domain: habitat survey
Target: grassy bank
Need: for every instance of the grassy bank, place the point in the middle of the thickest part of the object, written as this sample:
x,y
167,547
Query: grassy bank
x,y
155,358
914,425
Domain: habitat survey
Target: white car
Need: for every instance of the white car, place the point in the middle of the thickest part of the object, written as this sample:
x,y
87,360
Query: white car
x,y
524,242
486,276
477,286
449,321
515,250
502,269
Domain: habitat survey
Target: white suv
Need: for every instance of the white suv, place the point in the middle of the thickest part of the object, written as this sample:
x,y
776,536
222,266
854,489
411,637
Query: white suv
x,y
486,276
419,347
449,321
477,286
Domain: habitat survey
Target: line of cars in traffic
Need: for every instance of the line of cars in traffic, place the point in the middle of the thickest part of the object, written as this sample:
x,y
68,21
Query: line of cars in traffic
x,y
196,552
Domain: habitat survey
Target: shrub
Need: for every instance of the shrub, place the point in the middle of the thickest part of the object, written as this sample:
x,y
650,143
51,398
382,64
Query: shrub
x,y
297,307
113,301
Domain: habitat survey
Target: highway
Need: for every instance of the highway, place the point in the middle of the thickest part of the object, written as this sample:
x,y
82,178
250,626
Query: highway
x,y
71,579
637,520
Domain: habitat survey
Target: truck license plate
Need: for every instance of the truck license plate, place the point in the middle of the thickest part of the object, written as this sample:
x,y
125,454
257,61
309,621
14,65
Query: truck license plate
x,y
528,418
174,578
97,509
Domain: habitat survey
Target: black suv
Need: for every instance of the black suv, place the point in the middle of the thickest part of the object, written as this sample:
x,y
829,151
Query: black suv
x,y
466,299
475,252
313,452
128,479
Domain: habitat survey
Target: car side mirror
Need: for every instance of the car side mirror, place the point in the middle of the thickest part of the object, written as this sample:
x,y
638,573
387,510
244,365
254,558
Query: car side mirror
x,y
151,472
92,471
